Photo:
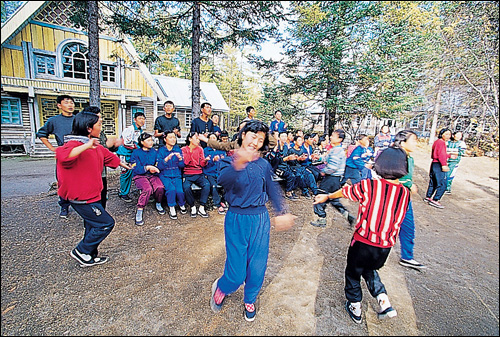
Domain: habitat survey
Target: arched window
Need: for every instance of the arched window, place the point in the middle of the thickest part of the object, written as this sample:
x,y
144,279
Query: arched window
x,y
75,61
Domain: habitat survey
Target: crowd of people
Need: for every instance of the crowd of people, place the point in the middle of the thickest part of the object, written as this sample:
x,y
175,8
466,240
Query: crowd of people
x,y
240,176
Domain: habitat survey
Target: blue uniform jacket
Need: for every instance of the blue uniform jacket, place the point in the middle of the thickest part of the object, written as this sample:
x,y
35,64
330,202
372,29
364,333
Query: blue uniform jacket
x,y
212,168
248,190
171,168
140,159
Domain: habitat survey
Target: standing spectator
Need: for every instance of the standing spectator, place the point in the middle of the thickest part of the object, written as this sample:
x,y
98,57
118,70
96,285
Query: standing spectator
x,y
332,175
383,140
79,165
310,146
130,136
382,206
211,171
170,163
456,148
215,122
110,144
145,176
167,122
246,177
407,140
194,161
358,161
251,113
439,167
277,125
203,125
59,126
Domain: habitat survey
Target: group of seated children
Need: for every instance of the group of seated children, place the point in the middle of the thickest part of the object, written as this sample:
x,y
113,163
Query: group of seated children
x,y
297,160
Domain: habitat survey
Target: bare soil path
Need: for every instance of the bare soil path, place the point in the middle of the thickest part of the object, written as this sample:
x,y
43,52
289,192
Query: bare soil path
x,y
159,277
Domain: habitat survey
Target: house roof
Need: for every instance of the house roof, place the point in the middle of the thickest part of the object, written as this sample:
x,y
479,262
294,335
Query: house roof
x,y
178,90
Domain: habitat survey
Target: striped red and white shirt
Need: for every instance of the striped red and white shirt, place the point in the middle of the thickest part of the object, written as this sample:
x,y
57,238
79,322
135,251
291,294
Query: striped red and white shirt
x,y
382,208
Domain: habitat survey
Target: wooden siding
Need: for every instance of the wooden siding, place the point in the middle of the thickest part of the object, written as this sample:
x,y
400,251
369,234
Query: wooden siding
x,y
17,134
148,111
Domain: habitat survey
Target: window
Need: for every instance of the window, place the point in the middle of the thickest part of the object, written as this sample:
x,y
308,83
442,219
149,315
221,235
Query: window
x,y
108,73
45,65
368,120
414,123
188,120
136,109
75,61
11,111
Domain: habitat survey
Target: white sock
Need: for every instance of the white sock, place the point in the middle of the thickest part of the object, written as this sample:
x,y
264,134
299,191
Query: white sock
x,y
202,209
383,301
172,210
193,210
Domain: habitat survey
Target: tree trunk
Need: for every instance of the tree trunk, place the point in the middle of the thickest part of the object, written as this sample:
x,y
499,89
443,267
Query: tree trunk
x,y
93,31
195,60
437,107
330,115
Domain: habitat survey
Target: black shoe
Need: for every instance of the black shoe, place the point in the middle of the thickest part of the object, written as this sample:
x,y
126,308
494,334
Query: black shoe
x,y
290,196
125,198
64,213
306,195
86,260
250,315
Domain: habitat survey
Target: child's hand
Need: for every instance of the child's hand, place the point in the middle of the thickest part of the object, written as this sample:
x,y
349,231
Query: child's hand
x,y
152,169
178,156
283,222
208,158
217,158
320,198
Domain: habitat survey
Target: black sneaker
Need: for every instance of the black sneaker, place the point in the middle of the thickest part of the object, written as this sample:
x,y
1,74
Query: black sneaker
x,y
250,315
350,310
306,195
86,260
289,196
411,264
64,213
125,198
214,306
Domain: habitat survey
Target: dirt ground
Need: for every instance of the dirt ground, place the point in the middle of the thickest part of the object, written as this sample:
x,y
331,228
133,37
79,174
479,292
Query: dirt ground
x,y
159,276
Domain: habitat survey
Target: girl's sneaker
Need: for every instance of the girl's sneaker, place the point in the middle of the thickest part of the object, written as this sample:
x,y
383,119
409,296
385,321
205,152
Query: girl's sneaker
x,y
217,298
172,213
221,210
250,312
183,209
386,310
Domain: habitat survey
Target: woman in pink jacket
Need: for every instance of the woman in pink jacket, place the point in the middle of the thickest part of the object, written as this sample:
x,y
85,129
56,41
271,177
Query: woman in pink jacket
x,y
439,167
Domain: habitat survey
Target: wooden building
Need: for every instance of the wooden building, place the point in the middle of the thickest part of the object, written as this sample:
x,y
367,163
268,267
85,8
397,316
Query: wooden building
x,y
43,56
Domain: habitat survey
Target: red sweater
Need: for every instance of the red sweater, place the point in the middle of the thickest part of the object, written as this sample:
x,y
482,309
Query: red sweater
x,y
79,178
193,161
382,209
439,154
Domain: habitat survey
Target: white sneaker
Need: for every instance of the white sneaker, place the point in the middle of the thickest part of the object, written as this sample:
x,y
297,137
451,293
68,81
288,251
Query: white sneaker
x,y
183,209
386,310
172,213
193,212
201,211
354,311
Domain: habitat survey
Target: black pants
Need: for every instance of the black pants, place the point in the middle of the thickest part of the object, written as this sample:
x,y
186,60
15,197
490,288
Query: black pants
x,y
329,184
364,260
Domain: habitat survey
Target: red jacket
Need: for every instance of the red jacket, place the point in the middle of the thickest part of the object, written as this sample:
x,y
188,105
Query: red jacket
x,y
193,161
79,178
439,154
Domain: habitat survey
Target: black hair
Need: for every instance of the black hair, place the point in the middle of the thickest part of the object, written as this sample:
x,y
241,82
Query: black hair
x,y
213,133
402,136
169,102
249,108
321,138
455,133
255,126
139,113
286,133
442,131
167,132
391,163
92,109
361,136
203,104
340,133
189,136
224,133
143,137
63,97
307,136
82,122
297,137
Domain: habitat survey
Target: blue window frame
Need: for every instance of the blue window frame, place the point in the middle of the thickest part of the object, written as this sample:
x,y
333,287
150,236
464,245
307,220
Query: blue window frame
x,y
45,65
11,111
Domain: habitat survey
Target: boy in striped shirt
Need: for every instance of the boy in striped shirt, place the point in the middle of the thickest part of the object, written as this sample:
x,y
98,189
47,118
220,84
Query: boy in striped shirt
x,y
383,203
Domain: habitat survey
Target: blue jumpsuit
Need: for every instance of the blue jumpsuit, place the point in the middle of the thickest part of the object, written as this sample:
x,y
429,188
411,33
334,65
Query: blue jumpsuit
x,y
247,225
